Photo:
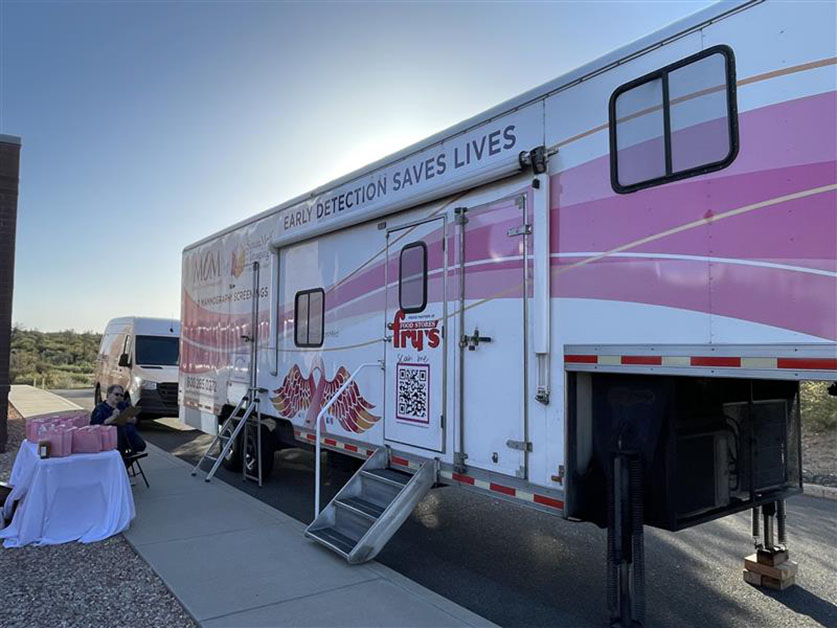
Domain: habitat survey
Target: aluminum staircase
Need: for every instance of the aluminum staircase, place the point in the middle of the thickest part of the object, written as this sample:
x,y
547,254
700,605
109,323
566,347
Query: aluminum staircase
x,y
370,508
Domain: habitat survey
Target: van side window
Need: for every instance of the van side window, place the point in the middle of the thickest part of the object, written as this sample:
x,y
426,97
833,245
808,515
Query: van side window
x,y
412,278
309,318
677,122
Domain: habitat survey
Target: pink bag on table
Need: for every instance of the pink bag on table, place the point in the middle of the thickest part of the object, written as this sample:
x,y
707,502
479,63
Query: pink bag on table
x,y
109,437
87,440
76,419
60,440
33,427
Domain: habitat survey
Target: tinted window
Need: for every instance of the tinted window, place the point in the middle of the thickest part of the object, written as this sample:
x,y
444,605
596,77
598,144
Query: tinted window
x,y
157,350
677,122
412,277
309,308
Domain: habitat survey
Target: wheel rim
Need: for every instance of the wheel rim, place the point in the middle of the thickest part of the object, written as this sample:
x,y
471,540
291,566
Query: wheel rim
x,y
250,455
231,451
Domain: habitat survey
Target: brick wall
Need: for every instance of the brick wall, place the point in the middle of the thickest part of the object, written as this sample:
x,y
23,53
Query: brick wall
x,y
9,176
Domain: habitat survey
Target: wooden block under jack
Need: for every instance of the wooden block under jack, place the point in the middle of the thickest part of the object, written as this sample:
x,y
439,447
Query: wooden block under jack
x,y
779,585
751,577
774,559
783,571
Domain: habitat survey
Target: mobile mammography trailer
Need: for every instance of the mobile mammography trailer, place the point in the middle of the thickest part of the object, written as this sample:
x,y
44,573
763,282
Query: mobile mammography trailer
x,y
596,299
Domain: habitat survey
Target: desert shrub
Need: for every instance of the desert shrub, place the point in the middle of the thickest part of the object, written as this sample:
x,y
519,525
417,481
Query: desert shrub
x,y
818,408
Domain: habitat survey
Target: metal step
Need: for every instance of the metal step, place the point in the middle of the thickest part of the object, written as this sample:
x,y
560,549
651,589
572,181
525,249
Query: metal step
x,y
370,508
392,477
362,507
334,540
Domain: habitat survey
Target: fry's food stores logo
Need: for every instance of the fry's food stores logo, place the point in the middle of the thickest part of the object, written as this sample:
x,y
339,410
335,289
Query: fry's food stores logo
x,y
414,332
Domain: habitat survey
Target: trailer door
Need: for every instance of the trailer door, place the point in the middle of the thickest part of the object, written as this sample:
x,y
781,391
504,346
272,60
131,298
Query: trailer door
x,y
416,310
492,261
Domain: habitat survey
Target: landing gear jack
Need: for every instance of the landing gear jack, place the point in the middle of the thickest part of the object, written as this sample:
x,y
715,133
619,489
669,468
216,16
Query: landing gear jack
x,y
769,566
625,547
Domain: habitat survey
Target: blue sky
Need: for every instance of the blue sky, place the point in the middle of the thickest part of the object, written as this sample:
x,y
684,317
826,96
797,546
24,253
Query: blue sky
x,y
149,125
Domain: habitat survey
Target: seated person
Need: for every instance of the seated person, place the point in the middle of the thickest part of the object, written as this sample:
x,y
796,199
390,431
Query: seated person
x,y
128,438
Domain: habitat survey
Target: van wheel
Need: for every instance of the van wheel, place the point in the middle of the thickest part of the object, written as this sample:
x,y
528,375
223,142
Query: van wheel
x,y
232,461
267,454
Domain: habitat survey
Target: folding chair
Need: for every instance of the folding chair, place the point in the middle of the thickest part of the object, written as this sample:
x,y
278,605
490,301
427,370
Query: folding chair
x,y
132,465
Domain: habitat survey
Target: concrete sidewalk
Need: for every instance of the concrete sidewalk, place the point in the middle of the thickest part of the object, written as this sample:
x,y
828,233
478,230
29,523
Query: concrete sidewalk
x,y
234,561
30,401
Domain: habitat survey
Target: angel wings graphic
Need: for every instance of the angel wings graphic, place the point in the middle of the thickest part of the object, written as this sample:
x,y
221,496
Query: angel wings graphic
x,y
298,394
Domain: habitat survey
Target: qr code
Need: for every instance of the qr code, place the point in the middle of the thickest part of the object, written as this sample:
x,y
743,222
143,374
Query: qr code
x,y
413,396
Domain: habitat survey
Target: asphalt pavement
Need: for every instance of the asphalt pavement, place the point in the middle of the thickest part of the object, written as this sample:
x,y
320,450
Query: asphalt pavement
x,y
518,567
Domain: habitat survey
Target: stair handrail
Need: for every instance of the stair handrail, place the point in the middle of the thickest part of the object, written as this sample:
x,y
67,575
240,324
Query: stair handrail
x,y
318,445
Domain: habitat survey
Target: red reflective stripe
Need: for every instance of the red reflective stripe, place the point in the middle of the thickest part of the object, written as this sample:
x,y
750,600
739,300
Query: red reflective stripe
x,y
350,447
581,359
402,461
463,478
499,488
330,441
642,359
821,364
715,361
310,437
548,501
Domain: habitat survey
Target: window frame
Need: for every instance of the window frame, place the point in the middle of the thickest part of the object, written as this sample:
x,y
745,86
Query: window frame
x,y
412,245
662,74
297,296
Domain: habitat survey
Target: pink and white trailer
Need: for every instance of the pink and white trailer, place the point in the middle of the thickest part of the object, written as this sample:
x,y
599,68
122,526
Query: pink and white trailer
x,y
599,294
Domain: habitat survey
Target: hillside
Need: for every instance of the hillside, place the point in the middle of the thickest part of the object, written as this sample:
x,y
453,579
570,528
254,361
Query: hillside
x,y
62,359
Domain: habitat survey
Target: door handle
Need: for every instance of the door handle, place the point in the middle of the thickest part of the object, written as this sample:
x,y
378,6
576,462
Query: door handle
x,y
473,341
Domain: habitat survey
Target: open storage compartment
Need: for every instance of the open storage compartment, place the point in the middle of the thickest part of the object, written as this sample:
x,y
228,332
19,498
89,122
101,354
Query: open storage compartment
x,y
710,446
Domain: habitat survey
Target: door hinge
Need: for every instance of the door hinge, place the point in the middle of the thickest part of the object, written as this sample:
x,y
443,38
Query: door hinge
x,y
519,444
518,231
459,215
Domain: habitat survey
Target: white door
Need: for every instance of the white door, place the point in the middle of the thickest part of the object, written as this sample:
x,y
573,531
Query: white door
x,y
492,260
416,309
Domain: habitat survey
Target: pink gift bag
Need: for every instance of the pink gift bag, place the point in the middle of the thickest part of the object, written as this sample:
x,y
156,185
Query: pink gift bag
x,y
79,420
60,440
87,440
109,437
33,427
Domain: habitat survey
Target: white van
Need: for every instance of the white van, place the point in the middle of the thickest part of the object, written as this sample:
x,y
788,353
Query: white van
x,y
141,355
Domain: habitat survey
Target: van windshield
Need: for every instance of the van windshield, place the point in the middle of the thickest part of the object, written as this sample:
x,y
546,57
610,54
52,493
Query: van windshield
x,y
157,350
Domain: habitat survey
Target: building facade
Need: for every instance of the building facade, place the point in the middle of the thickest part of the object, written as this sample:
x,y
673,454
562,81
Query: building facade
x,y
9,179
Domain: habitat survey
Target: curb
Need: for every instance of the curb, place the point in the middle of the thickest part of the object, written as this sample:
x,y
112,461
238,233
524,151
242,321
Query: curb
x,y
823,492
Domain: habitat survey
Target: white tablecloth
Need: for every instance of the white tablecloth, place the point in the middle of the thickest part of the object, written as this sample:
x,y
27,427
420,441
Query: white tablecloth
x,y
85,497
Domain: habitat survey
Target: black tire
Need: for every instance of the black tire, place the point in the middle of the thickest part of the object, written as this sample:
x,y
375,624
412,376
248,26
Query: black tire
x,y
267,453
232,461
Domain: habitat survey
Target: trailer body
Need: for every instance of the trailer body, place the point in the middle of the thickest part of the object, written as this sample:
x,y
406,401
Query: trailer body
x,y
642,251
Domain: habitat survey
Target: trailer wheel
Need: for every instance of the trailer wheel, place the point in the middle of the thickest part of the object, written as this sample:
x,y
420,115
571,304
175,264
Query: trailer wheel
x,y
232,461
267,453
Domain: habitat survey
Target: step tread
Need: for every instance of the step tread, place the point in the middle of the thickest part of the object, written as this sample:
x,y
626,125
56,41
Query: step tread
x,y
390,475
334,538
366,507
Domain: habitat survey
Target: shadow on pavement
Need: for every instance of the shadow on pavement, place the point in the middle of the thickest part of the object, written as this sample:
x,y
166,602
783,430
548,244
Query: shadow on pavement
x,y
520,567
